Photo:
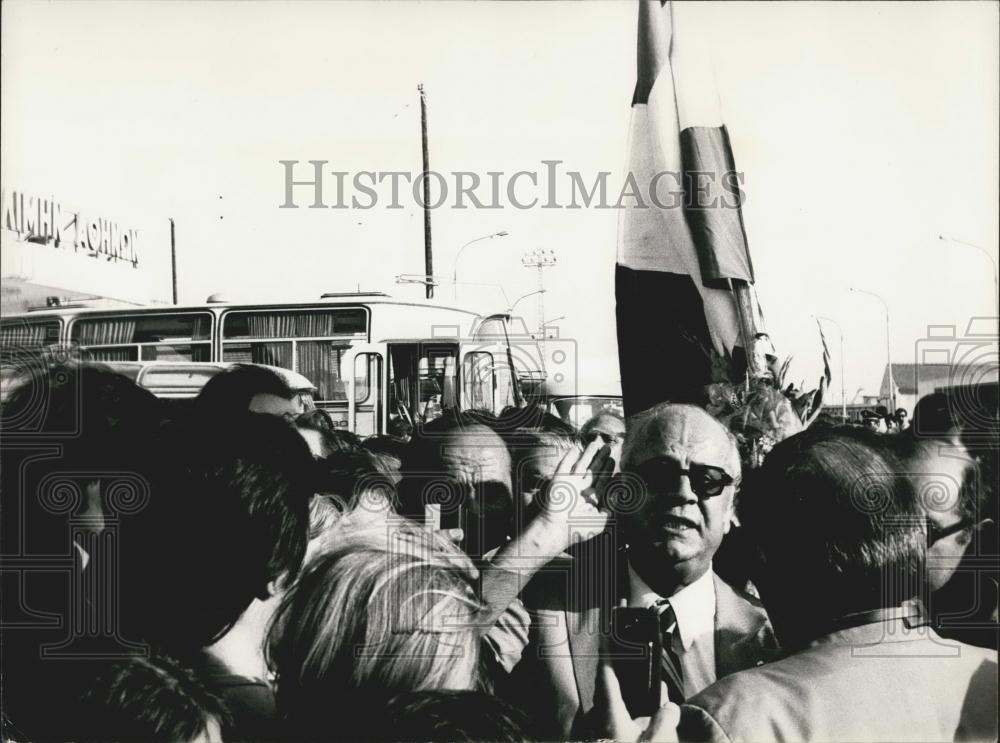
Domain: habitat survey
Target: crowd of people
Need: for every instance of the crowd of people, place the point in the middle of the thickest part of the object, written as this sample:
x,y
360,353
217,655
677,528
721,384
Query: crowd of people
x,y
236,568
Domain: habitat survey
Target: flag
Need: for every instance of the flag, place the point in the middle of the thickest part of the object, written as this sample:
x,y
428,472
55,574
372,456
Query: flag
x,y
683,268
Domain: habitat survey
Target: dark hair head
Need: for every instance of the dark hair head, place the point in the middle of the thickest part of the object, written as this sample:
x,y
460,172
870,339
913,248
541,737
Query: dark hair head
x,y
388,445
88,409
534,418
324,437
231,390
148,699
836,524
96,423
351,475
229,514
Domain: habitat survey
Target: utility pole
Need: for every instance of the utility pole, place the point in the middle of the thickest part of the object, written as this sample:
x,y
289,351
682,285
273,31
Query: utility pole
x,y
173,260
428,255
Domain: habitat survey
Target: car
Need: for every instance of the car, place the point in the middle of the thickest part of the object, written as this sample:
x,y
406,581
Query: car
x,y
182,380
573,405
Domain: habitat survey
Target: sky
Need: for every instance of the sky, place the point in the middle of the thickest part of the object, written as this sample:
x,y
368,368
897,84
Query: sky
x,y
864,130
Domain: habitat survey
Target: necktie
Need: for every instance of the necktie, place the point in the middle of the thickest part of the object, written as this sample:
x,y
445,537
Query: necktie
x,y
672,674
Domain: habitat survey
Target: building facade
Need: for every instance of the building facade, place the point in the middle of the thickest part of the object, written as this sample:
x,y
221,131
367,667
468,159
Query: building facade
x,y
51,253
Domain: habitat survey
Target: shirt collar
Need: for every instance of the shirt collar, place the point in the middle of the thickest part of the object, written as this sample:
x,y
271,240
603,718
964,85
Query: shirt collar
x,y
693,605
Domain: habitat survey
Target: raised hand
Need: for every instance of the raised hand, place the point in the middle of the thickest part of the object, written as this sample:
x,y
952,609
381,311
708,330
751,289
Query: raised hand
x,y
571,506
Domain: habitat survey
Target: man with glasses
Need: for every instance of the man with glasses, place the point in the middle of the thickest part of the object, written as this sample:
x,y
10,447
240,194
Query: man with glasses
x,y
669,509
606,426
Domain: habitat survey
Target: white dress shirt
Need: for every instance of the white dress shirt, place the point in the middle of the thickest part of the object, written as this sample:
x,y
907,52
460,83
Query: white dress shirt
x,y
694,640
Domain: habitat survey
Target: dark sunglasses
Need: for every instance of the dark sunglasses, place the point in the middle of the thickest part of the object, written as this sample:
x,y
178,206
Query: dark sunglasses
x,y
663,475
936,533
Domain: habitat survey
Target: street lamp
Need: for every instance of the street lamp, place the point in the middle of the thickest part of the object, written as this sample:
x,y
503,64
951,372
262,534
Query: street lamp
x,y
419,278
843,395
551,322
988,254
888,352
510,310
454,273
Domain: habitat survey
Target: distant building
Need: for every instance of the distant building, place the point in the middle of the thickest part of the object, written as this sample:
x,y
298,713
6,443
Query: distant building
x,y
913,381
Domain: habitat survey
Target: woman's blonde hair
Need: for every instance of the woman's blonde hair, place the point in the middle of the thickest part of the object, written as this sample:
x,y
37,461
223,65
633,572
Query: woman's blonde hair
x,y
384,611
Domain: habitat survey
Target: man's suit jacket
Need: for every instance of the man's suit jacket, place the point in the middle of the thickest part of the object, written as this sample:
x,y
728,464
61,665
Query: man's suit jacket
x,y
878,682
570,604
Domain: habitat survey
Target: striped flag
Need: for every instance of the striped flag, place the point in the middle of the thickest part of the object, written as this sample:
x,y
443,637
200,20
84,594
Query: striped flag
x,y
684,269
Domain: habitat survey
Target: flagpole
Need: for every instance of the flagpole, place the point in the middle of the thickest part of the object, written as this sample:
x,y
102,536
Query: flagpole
x,y
843,393
750,328
428,255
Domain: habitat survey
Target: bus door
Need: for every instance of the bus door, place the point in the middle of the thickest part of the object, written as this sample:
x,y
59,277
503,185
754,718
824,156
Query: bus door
x,y
364,368
487,381
422,383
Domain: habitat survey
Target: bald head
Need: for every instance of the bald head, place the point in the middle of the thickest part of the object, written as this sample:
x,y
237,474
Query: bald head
x,y
687,464
471,461
682,432
475,454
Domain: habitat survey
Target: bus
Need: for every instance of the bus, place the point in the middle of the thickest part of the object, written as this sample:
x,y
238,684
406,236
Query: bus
x,y
376,362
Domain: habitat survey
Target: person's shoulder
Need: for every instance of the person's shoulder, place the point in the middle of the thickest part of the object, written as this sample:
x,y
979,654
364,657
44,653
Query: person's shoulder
x,y
739,597
980,664
744,704
740,614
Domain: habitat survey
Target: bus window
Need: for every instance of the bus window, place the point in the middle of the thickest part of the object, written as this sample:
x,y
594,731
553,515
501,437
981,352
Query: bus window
x,y
272,353
362,377
319,361
477,380
26,333
365,415
311,342
135,337
25,341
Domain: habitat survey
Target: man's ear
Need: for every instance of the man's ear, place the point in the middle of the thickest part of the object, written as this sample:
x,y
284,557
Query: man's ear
x,y
732,519
274,587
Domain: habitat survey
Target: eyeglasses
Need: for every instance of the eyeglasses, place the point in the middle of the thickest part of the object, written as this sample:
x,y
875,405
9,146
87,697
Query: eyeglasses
x,y
663,475
607,438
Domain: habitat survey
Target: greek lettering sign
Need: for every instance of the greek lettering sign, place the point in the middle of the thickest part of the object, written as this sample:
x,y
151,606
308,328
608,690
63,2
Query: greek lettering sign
x,y
44,221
